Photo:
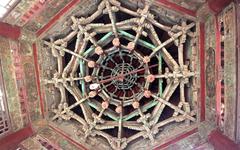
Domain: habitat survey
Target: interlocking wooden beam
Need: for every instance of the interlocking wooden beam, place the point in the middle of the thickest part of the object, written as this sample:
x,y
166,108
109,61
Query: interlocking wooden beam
x,y
94,91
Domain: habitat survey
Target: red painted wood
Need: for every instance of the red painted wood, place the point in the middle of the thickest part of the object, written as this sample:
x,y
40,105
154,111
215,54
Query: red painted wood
x,y
11,141
68,138
35,55
202,72
8,31
218,5
221,142
218,66
176,7
178,138
56,17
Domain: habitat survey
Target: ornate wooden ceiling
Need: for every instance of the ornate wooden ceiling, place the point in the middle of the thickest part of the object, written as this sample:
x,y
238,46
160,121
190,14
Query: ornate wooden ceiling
x,y
122,75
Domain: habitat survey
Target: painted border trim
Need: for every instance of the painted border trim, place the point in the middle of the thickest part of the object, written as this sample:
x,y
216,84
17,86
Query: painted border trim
x,y
178,138
217,67
67,137
56,17
202,71
164,3
176,7
37,71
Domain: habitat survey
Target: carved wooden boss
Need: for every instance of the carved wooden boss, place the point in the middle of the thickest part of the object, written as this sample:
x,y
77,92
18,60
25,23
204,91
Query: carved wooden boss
x,y
129,77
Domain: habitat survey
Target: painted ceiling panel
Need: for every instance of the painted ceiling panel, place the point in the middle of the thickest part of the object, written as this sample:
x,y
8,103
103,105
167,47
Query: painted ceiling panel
x,y
34,14
14,17
189,4
50,10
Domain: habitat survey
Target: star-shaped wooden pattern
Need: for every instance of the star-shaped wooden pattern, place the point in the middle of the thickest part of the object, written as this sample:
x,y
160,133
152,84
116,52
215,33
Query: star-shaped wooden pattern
x,y
122,74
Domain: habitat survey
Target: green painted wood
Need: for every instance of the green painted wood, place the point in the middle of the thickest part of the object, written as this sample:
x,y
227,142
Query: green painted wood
x,y
103,39
95,107
144,109
160,72
82,82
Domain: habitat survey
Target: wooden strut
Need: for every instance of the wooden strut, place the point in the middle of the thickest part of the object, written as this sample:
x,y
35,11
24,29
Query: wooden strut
x,y
178,73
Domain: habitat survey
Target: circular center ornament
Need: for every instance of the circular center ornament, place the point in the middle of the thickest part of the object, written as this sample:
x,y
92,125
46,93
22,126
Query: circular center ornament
x,y
121,66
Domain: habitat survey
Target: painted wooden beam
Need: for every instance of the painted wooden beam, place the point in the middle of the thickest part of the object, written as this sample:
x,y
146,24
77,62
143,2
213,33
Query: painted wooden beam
x,y
202,71
178,138
238,69
11,141
218,66
37,73
218,5
57,17
37,8
67,137
221,142
9,31
176,7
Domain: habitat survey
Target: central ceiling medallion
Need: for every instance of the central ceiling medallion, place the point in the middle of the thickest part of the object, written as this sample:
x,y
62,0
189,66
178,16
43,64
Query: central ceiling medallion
x,y
124,76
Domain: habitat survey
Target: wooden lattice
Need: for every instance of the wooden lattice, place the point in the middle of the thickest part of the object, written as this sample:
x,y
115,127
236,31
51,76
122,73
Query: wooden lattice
x,y
124,86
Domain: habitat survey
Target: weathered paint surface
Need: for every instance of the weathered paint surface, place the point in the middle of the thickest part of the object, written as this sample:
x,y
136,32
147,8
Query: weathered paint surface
x,y
192,142
9,31
10,84
14,17
229,75
12,140
30,82
192,5
55,137
222,142
238,72
31,143
19,79
41,20
51,9
33,15
210,73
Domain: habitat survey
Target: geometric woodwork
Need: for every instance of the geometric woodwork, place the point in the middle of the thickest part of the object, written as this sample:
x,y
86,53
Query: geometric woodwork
x,y
123,75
